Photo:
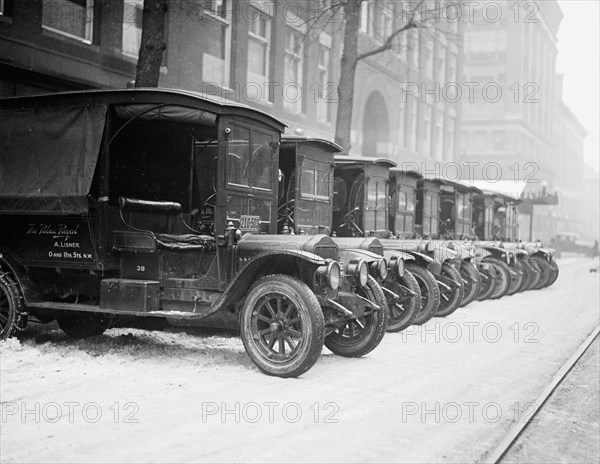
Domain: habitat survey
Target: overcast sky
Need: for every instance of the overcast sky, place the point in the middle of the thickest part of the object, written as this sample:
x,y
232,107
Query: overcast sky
x,y
578,60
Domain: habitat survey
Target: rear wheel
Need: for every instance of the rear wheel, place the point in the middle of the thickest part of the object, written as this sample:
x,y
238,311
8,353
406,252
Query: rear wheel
x,y
360,336
471,281
502,280
430,293
78,324
403,311
282,326
13,314
450,299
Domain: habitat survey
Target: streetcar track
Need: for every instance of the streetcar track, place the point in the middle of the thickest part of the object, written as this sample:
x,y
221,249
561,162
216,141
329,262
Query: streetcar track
x,y
496,455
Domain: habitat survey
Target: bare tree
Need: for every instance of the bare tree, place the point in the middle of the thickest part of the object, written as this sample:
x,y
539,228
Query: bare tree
x,y
153,43
413,16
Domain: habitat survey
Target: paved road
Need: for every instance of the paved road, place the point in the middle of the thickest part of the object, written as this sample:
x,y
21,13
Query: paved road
x,y
445,392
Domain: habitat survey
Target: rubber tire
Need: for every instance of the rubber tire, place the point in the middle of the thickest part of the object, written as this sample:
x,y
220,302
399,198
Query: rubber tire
x,y
534,272
528,275
469,274
544,270
554,271
430,293
516,280
374,326
310,312
502,283
401,322
13,312
80,324
488,282
457,295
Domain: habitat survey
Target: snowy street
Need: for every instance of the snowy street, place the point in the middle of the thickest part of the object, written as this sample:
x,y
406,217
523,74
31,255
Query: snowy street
x,y
445,392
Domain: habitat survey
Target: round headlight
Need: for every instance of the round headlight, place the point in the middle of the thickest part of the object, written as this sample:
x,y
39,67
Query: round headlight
x,y
379,269
383,269
333,275
363,273
400,267
328,275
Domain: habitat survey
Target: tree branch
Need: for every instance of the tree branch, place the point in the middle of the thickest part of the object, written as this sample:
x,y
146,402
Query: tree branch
x,y
387,45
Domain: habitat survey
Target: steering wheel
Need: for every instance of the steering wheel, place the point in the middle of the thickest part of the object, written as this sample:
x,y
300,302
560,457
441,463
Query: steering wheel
x,y
285,212
350,220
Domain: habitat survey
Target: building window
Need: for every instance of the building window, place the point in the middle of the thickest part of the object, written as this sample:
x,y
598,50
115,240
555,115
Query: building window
x,y
377,19
259,55
323,92
450,134
217,51
427,113
293,70
71,18
439,137
428,58
132,27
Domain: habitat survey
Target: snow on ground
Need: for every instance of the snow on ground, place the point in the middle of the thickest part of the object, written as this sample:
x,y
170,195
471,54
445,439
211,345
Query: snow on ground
x,y
445,392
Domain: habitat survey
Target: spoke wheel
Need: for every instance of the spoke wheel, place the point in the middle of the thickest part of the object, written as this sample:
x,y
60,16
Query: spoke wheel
x,y
544,272
517,275
13,314
430,293
357,337
282,326
402,311
488,282
554,271
471,280
534,274
450,299
502,280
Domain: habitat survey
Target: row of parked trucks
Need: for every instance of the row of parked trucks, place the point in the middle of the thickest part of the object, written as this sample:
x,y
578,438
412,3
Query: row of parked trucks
x,y
153,203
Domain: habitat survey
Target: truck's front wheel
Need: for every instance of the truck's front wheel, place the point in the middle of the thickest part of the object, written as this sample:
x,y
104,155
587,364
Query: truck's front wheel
x,y
282,326
360,336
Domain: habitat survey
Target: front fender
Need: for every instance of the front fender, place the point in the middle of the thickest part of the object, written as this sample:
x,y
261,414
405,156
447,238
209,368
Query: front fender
x,y
284,261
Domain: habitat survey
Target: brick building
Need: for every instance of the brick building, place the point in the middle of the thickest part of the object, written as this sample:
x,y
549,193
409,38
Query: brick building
x,y
279,56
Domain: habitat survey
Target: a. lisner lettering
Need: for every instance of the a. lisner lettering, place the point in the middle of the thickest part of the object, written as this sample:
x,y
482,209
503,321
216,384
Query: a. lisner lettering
x,y
56,231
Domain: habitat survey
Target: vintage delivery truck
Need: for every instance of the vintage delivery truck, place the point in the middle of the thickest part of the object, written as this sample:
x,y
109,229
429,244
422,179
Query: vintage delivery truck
x,y
163,203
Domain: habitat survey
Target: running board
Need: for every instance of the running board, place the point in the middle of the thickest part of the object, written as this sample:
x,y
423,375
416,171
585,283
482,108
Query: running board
x,y
54,305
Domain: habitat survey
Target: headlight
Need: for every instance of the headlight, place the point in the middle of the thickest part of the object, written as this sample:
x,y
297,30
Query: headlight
x,y
379,269
328,276
400,267
359,271
396,266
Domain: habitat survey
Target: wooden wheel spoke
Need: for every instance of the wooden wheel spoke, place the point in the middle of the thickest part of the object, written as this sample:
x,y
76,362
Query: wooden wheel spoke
x,y
290,306
260,317
267,305
272,340
281,345
3,319
290,342
294,333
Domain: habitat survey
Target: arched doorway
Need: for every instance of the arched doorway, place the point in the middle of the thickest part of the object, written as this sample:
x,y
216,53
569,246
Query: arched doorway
x,y
375,126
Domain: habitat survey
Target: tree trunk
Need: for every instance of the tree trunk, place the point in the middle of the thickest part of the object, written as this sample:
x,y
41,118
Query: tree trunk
x,y
345,91
152,43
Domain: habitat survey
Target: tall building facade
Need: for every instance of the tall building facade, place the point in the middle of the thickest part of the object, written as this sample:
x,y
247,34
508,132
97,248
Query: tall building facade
x,y
282,57
509,75
516,126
